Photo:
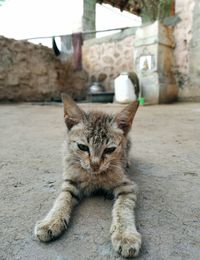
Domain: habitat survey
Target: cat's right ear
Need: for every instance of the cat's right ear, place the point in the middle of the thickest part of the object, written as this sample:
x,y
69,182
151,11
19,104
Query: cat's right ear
x,y
72,113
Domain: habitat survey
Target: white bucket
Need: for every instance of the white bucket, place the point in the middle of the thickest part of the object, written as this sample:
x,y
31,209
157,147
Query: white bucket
x,y
124,89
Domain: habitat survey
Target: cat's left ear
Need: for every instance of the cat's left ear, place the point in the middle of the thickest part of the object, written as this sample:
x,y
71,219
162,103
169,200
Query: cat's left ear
x,y
72,113
125,118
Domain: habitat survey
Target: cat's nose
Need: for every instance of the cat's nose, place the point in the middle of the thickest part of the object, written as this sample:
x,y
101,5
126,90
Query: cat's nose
x,y
95,163
95,166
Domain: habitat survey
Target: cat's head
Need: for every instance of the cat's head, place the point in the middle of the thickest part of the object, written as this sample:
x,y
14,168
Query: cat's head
x,y
96,140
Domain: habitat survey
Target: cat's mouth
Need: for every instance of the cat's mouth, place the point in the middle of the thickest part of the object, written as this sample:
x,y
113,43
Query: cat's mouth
x,y
95,170
99,170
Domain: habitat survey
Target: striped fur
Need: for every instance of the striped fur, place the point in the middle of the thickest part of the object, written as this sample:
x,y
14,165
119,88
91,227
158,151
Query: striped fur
x,y
95,158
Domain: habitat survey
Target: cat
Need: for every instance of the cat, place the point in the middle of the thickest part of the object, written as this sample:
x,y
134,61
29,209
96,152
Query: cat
x,y
95,158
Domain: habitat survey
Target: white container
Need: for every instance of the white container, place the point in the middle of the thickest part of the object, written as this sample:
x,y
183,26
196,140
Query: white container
x,y
124,89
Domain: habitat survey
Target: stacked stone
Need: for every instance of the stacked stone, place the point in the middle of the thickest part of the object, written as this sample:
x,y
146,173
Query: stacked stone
x,y
30,72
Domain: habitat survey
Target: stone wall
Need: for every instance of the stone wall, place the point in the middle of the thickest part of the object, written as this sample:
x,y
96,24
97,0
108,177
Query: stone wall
x,y
30,72
108,56
187,50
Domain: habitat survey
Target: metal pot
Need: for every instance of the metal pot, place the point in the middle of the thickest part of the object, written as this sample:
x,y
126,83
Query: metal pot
x,y
96,87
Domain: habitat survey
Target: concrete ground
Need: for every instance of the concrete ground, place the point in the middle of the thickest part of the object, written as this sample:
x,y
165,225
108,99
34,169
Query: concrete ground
x,y
166,166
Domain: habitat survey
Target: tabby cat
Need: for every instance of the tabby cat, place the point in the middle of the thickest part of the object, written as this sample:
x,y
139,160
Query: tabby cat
x,y
96,158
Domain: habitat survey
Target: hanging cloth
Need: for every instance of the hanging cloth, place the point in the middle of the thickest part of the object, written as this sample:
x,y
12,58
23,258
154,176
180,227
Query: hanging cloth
x,y
77,42
55,48
66,44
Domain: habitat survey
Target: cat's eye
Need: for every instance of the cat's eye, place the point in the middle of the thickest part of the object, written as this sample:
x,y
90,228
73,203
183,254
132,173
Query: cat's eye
x,y
109,150
83,147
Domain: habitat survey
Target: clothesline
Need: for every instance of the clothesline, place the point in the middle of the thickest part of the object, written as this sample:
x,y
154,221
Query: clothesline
x,y
86,32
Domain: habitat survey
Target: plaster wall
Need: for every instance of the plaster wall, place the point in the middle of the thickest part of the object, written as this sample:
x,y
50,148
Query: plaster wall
x,y
89,18
186,52
194,56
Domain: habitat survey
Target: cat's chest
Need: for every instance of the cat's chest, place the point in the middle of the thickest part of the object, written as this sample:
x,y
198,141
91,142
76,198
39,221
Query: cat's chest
x,y
89,183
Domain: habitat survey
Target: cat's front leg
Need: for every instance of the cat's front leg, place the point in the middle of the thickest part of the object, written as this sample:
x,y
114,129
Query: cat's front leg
x,y
56,221
125,238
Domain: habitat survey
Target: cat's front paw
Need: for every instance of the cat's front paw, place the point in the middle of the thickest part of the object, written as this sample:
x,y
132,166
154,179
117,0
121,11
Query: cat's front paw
x,y
49,229
126,244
